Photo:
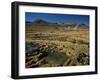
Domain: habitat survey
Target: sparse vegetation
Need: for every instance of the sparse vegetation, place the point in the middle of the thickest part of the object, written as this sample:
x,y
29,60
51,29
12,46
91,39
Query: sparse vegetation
x,y
48,46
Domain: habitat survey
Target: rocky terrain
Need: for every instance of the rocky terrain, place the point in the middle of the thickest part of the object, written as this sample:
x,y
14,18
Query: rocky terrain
x,y
56,45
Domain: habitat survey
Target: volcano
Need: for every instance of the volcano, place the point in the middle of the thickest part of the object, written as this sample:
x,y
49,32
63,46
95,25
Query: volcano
x,y
40,21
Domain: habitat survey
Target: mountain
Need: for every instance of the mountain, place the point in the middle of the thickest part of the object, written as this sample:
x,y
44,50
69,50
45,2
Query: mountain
x,y
28,23
83,25
40,21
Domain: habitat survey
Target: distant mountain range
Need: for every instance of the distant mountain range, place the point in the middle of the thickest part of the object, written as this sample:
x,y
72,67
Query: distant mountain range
x,y
43,22
39,21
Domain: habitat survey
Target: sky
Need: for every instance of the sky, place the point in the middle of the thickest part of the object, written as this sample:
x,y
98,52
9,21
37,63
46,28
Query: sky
x,y
57,18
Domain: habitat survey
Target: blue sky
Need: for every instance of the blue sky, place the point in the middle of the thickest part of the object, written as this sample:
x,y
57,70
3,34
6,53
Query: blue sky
x,y
62,18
